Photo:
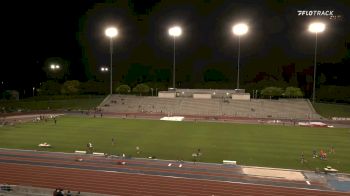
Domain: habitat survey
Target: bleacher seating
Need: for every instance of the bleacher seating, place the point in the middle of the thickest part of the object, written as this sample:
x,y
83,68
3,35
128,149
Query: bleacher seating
x,y
254,108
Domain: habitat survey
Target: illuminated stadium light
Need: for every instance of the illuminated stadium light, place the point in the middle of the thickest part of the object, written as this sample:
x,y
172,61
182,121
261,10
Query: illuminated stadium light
x,y
240,29
103,69
175,31
54,66
111,32
317,27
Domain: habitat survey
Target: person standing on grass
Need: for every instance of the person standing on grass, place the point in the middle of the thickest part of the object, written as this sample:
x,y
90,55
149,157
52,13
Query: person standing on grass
x,y
194,156
90,148
302,159
54,119
314,154
199,152
113,141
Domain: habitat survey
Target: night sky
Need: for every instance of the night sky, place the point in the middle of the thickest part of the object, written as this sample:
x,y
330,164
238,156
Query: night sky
x,y
36,32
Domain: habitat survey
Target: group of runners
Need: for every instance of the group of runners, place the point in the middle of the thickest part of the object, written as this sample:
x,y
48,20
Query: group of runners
x,y
322,154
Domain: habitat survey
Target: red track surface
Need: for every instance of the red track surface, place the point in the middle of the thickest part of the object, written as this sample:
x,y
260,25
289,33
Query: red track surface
x,y
117,183
134,184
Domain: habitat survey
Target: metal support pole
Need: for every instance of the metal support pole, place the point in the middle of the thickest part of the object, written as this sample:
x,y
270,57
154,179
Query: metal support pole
x,y
239,54
314,85
111,51
174,66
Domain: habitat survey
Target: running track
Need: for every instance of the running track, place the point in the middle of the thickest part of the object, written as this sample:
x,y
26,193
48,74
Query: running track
x,y
141,177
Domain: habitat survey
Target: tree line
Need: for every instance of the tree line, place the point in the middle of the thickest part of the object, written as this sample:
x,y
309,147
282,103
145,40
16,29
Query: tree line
x,y
263,89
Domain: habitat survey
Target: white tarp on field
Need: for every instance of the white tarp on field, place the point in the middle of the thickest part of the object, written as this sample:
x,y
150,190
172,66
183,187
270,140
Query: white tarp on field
x,y
313,124
173,118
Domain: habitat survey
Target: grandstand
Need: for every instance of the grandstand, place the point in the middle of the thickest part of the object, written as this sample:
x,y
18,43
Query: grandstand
x,y
253,108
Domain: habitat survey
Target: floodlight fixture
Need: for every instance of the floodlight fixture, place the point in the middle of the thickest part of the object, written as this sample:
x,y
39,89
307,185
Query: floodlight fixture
x,y
240,29
175,31
111,32
317,27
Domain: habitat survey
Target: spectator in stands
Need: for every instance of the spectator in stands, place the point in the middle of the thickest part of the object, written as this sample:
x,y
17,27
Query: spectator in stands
x,y
55,192
59,192
69,193
78,193
6,187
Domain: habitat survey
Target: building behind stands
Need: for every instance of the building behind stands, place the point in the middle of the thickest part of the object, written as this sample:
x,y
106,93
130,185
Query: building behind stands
x,y
236,94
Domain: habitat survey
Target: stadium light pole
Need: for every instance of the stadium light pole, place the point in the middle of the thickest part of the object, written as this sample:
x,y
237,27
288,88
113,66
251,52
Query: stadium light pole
x,y
316,27
239,30
111,32
175,31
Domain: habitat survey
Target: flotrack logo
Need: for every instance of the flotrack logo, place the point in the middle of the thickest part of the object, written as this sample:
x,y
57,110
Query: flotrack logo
x,y
315,12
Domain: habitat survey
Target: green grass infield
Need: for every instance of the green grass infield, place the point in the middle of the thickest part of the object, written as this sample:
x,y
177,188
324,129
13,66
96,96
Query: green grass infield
x,y
256,145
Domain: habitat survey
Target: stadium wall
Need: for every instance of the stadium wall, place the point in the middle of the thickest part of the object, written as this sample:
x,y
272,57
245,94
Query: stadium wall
x,y
166,94
243,96
202,96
